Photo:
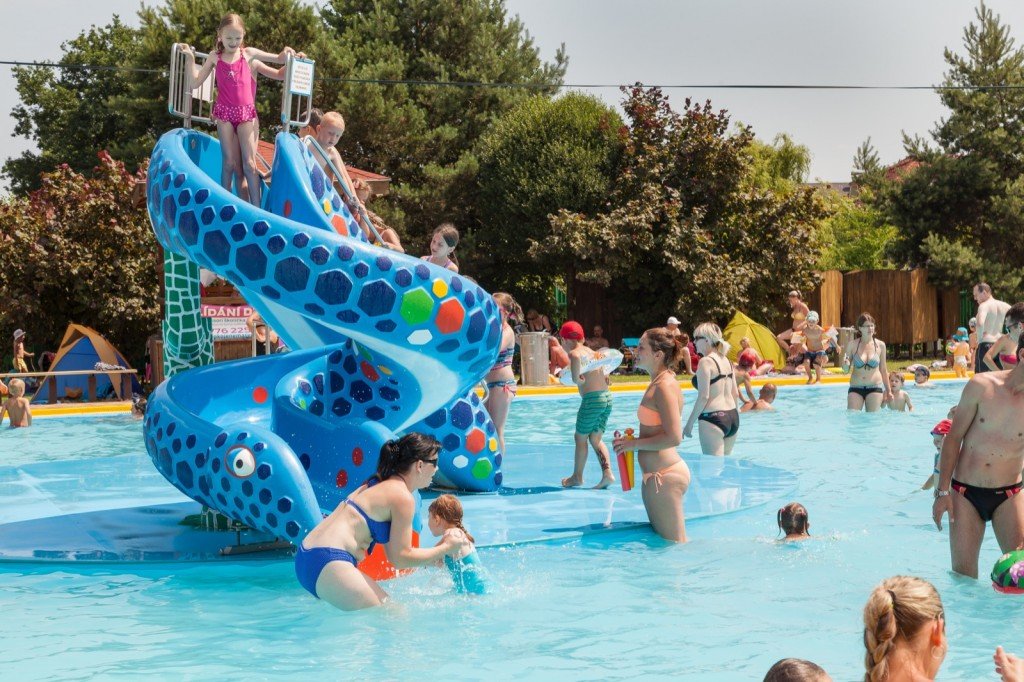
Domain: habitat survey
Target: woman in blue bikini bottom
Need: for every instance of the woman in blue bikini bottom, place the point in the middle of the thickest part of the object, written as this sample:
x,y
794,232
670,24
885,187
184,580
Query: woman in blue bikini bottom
x,y
380,511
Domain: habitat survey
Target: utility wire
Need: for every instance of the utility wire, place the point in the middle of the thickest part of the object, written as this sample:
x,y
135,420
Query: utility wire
x,y
562,86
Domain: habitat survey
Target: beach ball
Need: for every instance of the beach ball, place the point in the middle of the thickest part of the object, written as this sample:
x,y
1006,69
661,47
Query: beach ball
x,y
1008,573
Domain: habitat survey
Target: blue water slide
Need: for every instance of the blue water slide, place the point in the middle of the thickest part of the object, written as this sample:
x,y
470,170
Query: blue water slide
x,y
384,344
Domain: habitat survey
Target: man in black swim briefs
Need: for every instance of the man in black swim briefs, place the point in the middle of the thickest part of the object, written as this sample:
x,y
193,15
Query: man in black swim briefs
x,y
980,467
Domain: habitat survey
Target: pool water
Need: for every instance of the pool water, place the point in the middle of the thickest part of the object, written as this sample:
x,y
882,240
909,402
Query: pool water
x,y
621,604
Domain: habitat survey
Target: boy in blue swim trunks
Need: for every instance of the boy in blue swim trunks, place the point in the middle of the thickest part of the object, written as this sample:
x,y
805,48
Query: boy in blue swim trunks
x,y
592,418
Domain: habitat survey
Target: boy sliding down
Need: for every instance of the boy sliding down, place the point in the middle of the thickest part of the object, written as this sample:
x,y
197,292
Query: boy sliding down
x,y
592,418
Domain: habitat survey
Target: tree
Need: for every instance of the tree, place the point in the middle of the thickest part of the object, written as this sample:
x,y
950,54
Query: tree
x,y
963,202
542,156
71,113
77,251
855,237
424,136
780,166
685,230
868,170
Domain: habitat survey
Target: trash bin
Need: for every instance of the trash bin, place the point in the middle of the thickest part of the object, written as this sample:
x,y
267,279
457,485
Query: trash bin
x,y
533,349
845,339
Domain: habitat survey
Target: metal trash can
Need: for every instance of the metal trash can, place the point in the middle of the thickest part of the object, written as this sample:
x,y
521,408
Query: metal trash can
x,y
533,349
845,339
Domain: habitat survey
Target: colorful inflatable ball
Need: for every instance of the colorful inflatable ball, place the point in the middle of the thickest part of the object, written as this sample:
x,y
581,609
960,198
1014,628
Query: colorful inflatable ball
x,y
1008,573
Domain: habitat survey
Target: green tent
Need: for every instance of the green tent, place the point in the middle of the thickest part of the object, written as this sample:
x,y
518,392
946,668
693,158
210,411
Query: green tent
x,y
761,338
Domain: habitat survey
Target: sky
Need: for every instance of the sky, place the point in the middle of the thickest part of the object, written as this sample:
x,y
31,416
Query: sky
x,y
686,42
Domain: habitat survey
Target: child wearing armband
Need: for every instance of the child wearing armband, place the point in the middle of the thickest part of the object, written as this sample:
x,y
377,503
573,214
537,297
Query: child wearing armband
x,y
445,517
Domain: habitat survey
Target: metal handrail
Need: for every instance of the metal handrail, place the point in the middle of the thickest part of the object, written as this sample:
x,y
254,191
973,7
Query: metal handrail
x,y
297,96
182,100
362,216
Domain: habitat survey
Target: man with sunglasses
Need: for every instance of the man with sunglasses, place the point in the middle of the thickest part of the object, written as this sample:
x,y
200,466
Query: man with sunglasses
x,y
991,312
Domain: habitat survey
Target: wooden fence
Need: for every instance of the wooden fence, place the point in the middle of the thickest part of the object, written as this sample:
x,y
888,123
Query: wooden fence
x,y
907,309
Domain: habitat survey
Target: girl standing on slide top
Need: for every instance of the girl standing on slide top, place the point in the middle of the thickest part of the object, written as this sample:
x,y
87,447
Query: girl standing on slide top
x,y
235,67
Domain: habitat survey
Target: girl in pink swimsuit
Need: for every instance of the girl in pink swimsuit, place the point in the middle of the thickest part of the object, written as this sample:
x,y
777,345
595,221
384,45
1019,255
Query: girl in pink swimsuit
x,y
235,67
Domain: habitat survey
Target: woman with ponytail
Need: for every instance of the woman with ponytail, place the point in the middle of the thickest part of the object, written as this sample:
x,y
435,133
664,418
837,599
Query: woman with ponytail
x,y
904,631
380,511
665,475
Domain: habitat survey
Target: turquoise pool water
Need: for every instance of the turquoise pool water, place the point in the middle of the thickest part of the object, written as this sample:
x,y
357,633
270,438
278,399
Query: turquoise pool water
x,y
622,604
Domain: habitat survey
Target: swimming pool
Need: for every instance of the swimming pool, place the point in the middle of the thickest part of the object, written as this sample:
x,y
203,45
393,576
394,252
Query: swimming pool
x,y
609,605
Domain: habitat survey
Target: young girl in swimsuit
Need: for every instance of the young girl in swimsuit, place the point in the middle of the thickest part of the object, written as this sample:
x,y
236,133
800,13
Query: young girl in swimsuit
x,y
665,475
1006,345
717,406
445,518
500,381
793,521
869,382
381,511
235,67
442,246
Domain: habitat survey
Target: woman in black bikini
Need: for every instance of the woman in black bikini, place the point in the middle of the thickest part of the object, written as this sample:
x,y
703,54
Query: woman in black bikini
x,y
869,382
717,406
537,322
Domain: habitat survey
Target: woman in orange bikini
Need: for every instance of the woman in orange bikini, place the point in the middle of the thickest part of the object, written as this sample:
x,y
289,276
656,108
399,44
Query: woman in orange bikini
x,y
665,475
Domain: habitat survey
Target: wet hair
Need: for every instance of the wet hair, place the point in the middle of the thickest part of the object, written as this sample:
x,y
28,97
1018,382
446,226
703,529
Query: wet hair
x,y
896,611
865,318
230,19
792,519
396,456
449,509
509,305
661,339
713,333
795,670
1014,315
17,388
769,389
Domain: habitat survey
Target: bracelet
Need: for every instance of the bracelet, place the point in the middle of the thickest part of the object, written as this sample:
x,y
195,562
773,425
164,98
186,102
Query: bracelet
x,y
941,493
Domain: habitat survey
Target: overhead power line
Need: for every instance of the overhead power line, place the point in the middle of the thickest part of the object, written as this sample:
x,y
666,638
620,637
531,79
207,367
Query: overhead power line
x,y
544,86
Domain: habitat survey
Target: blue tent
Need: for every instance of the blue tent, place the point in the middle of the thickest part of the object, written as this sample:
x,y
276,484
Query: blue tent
x,y
82,348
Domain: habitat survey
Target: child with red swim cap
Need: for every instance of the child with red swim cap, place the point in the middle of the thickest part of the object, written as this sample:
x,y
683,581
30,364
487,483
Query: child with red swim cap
x,y
592,418
938,432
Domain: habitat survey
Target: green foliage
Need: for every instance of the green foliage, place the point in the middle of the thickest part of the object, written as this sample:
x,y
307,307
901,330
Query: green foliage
x,y
855,236
72,113
542,156
76,251
424,137
780,166
963,203
868,170
958,265
685,232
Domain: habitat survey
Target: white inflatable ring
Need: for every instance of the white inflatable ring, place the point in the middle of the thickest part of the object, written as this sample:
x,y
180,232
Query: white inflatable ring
x,y
606,359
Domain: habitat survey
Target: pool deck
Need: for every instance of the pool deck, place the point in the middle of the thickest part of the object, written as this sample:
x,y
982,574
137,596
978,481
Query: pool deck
x,y
124,406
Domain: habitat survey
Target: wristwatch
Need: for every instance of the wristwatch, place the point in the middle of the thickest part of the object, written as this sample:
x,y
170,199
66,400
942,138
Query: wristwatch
x,y
941,493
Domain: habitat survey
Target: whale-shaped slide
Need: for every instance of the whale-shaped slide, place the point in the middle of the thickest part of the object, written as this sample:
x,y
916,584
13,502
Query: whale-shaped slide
x,y
384,344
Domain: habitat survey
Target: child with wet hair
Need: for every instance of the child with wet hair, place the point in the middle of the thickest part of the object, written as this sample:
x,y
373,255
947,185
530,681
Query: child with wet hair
x,y
17,406
900,398
794,522
445,520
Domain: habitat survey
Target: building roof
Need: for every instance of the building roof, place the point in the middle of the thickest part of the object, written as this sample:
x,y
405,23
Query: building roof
x,y
900,169
379,183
